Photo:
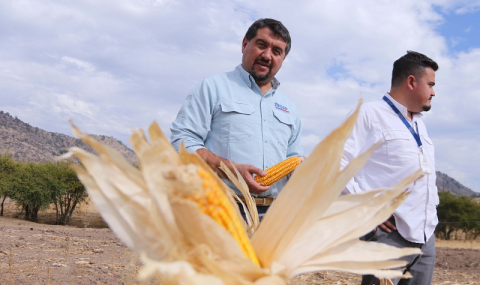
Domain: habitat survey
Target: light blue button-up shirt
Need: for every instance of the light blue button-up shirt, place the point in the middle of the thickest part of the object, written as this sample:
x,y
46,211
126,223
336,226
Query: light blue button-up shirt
x,y
228,115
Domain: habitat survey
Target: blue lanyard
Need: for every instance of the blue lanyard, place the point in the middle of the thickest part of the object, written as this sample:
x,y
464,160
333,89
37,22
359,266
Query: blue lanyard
x,y
415,134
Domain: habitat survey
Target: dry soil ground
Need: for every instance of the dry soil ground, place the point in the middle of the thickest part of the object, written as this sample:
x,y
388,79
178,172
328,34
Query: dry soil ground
x,y
34,253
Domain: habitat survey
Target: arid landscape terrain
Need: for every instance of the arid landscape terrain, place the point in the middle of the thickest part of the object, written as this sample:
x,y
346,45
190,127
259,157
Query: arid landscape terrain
x,y
89,253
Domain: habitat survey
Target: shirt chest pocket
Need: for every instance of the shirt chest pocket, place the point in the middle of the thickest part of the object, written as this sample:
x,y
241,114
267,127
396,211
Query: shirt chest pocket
x,y
237,122
283,128
428,147
399,148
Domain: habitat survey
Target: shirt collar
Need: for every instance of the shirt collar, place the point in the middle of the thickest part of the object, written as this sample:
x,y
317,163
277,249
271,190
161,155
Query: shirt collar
x,y
248,79
275,83
403,110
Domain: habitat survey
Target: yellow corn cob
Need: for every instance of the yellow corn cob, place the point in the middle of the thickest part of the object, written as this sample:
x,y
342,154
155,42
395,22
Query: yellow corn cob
x,y
278,171
214,203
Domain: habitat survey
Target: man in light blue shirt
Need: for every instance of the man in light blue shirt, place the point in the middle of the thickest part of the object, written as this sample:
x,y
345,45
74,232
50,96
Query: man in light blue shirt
x,y
241,116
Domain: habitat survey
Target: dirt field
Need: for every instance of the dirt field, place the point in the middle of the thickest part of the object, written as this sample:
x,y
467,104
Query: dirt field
x,y
33,253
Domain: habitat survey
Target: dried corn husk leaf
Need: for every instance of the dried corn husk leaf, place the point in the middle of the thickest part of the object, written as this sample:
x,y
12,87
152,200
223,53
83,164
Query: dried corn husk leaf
x,y
326,228
177,272
306,196
249,207
122,211
161,226
345,226
388,281
181,245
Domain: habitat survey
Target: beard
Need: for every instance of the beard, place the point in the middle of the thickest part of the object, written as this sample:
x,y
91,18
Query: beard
x,y
258,77
427,108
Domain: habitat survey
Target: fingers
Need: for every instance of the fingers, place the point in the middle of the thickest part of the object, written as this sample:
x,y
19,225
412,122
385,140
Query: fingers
x,y
258,189
384,228
390,225
387,227
247,172
253,185
254,170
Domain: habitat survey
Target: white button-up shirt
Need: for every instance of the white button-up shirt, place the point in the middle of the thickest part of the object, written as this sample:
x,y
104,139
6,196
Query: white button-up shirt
x,y
393,160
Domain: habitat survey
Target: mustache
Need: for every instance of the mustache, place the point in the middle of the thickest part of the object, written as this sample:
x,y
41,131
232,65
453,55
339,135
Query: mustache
x,y
264,61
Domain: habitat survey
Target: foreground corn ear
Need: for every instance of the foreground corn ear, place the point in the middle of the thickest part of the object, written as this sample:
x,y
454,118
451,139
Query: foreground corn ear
x,y
214,203
278,171
178,215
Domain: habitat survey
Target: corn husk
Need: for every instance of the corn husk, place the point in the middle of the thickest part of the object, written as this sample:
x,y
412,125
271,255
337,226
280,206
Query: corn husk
x,y
308,228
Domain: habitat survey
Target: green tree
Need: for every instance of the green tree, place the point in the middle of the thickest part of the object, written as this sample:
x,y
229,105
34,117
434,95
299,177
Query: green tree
x,y
66,190
475,231
7,168
30,189
457,214
469,218
447,212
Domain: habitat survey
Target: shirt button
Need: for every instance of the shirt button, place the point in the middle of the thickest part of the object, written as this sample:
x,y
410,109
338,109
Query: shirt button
x,y
264,120
266,141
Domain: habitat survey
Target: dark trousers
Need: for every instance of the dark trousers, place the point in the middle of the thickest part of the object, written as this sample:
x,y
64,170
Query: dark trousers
x,y
262,210
420,266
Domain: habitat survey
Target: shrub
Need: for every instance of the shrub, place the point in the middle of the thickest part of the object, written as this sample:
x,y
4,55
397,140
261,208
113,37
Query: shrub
x,y
36,186
457,214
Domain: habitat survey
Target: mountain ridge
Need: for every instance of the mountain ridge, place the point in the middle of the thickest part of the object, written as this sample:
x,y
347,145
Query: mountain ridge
x,y
445,182
32,144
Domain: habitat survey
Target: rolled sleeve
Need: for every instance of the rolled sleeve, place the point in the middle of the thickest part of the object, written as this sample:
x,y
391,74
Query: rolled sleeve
x,y
193,121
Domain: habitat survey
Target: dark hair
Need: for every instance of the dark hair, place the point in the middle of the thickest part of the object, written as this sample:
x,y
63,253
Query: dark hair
x,y
275,26
413,63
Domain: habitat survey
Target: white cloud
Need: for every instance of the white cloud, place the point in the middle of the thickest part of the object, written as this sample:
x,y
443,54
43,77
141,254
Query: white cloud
x,y
469,8
79,63
117,65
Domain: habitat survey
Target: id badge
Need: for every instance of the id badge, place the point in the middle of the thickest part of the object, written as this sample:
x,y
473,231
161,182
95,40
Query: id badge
x,y
424,163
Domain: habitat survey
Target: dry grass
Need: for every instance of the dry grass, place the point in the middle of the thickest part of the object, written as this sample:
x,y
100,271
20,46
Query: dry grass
x,y
85,215
457,244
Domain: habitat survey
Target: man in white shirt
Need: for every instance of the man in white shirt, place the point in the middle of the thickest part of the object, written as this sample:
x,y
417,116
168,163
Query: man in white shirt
x,y
396,121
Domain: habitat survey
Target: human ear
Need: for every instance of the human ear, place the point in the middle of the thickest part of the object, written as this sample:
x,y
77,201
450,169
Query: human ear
x,y
411,82
244,43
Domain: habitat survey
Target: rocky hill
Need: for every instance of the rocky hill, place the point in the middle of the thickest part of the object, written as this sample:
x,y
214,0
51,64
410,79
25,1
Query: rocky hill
x,y
447,183
27,143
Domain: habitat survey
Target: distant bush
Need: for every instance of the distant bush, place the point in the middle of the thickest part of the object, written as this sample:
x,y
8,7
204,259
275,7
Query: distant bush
x,y
37,186
457,214
29,188
66,190
7,168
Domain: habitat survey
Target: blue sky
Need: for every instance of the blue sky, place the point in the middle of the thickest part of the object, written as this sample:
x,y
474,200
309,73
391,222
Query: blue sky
x,y
462,31
113,66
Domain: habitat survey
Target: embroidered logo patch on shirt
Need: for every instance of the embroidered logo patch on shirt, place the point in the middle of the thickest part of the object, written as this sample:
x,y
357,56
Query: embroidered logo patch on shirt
x,y
281,108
